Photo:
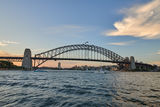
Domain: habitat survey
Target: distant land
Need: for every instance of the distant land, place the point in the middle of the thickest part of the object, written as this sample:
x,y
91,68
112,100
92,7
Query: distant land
x,y
7,65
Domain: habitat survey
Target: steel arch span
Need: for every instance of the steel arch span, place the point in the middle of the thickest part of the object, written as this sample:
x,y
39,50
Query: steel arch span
x,y
84,52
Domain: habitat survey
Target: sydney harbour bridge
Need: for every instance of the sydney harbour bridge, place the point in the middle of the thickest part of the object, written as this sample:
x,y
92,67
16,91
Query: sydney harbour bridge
x,y
77,52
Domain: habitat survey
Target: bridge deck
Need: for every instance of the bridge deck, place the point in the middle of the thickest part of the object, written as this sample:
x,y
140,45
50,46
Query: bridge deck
x,y
73,59
78,59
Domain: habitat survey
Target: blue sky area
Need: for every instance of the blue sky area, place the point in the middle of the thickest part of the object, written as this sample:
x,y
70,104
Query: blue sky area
x,y
127,27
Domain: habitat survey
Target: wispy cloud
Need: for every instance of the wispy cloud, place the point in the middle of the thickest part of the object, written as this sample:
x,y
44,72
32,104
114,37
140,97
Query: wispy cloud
x,y
3,53
156,63
67,30
38,50
139,21
158,52
121,43
2,44
5,43
10,42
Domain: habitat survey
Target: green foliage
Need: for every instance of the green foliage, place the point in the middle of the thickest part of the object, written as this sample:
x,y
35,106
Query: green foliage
x,y
7,64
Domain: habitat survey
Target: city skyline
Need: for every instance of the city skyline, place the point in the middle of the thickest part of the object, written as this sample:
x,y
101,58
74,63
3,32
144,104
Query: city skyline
x,y
129,28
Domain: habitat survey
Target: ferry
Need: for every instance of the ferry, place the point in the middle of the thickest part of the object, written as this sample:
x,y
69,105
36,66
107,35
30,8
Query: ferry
x,y
39,70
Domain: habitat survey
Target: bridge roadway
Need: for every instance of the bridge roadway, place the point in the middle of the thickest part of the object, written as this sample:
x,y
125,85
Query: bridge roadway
x,y
73,59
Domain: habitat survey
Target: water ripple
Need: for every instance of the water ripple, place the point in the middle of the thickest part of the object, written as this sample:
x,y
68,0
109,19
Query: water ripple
x,y
79,89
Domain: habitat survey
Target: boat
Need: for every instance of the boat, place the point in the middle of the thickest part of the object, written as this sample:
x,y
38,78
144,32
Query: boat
x,y
39,70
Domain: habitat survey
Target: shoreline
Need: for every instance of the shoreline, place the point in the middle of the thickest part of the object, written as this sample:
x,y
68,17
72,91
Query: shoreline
x,y
75,69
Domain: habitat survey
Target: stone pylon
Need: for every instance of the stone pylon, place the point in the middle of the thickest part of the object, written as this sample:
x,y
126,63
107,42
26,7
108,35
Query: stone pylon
x,y
132,63
27,61
126,66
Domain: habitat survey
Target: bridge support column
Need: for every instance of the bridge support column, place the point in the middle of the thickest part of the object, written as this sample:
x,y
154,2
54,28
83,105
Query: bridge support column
x,y
27,61
132,63
126,66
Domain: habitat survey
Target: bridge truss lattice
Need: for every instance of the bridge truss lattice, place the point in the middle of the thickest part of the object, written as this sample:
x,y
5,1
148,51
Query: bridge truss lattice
x,y
82,52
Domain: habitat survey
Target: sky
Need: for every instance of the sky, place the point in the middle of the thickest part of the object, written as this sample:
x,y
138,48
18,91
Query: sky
x,y
127,27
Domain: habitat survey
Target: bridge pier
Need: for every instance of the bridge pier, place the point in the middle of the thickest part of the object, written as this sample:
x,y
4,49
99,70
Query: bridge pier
x,y
27,60
126,66
132,63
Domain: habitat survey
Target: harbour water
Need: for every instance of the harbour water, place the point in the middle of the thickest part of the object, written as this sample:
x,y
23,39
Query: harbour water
x,y
79,89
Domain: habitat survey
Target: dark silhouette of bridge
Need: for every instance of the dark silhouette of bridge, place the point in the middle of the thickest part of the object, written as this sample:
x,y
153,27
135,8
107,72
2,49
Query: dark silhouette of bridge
x,y
80,52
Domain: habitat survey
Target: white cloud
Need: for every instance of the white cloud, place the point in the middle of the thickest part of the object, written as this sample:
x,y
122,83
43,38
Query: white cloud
x,y
158,52
9,42
122,43
5,43
3,53
139,21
